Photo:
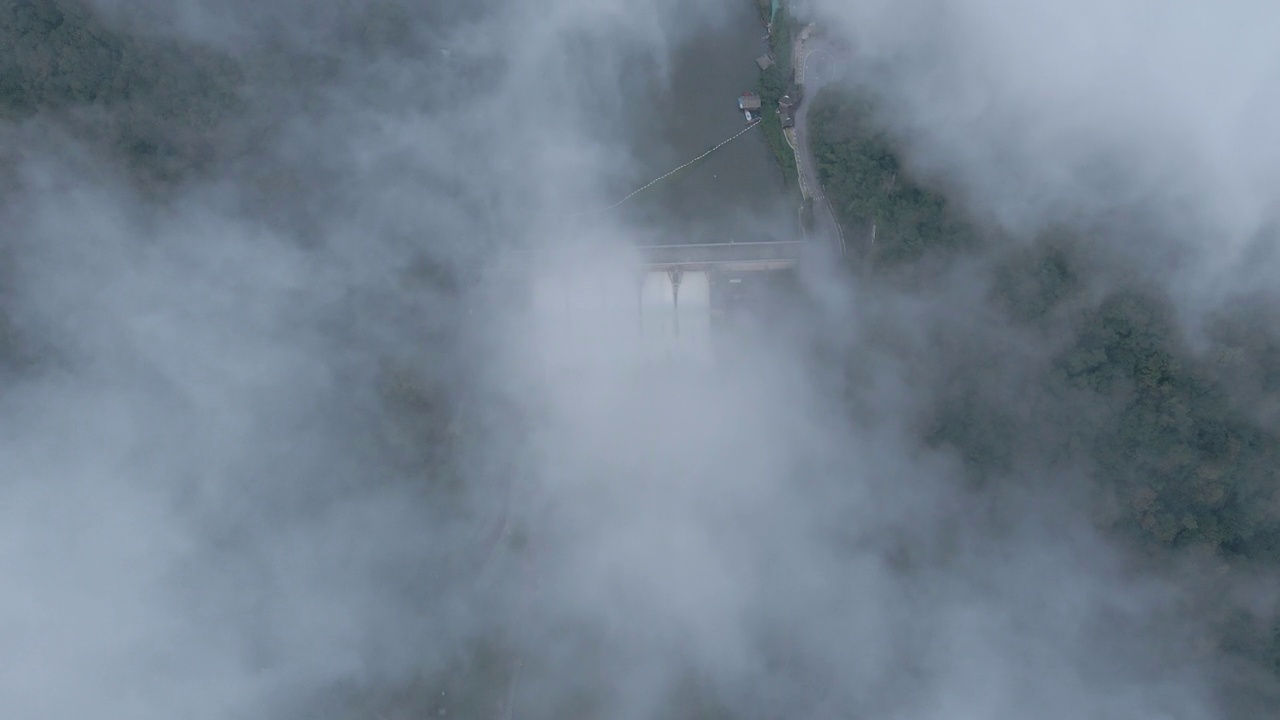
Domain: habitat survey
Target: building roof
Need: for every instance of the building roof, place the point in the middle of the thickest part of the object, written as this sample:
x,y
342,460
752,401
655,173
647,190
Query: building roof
x,y
749,101
765,62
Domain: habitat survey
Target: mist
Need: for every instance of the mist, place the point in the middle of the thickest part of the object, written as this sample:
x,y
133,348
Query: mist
x,y
1075,112
322,395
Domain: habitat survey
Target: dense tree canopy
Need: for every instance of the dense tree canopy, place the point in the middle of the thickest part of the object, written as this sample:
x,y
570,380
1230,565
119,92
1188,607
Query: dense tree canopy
x,y
1168,433
1189,466
863,177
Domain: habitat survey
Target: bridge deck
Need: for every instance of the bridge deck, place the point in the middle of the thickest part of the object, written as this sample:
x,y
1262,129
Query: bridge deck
x,y
776,255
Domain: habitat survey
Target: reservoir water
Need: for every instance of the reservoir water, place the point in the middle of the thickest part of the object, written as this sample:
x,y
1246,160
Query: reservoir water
x,y
737,193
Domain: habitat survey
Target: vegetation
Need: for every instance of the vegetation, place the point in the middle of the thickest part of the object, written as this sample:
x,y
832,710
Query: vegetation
x,y
1173,440
1177,458
1187,466
1169,441
772,85
860,169
771,126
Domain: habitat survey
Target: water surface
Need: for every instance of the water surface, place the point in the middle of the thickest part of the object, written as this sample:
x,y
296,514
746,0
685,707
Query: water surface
x,y
736,194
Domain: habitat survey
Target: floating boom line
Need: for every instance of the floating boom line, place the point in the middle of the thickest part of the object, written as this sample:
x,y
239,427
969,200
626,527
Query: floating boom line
x,y
657,180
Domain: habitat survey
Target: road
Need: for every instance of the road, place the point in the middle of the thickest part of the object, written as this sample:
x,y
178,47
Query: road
x,y
816,66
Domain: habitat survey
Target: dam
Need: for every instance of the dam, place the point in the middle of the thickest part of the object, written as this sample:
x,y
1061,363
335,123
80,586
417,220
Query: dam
x,y
671,305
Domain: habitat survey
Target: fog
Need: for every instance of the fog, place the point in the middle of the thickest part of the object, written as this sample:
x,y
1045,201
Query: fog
x,y
344,413
1078,111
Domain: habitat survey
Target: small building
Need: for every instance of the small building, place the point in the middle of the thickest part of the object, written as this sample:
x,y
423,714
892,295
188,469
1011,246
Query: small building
x,y
749,102
788,117
765,62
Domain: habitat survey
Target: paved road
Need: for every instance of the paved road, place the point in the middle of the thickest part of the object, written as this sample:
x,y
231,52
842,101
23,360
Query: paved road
x,y
816,66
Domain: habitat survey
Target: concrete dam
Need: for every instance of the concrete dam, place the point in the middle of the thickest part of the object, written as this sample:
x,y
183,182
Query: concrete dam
x,y
668,309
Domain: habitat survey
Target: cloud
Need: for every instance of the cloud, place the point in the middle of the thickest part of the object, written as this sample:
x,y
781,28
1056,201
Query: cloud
x,y
353,411
1070,111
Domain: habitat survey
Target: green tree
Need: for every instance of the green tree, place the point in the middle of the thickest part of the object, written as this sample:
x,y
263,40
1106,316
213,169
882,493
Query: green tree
x,y
858,164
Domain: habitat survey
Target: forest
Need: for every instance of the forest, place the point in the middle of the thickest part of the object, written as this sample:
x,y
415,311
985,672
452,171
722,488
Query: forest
x,y
1187,462
1181,456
